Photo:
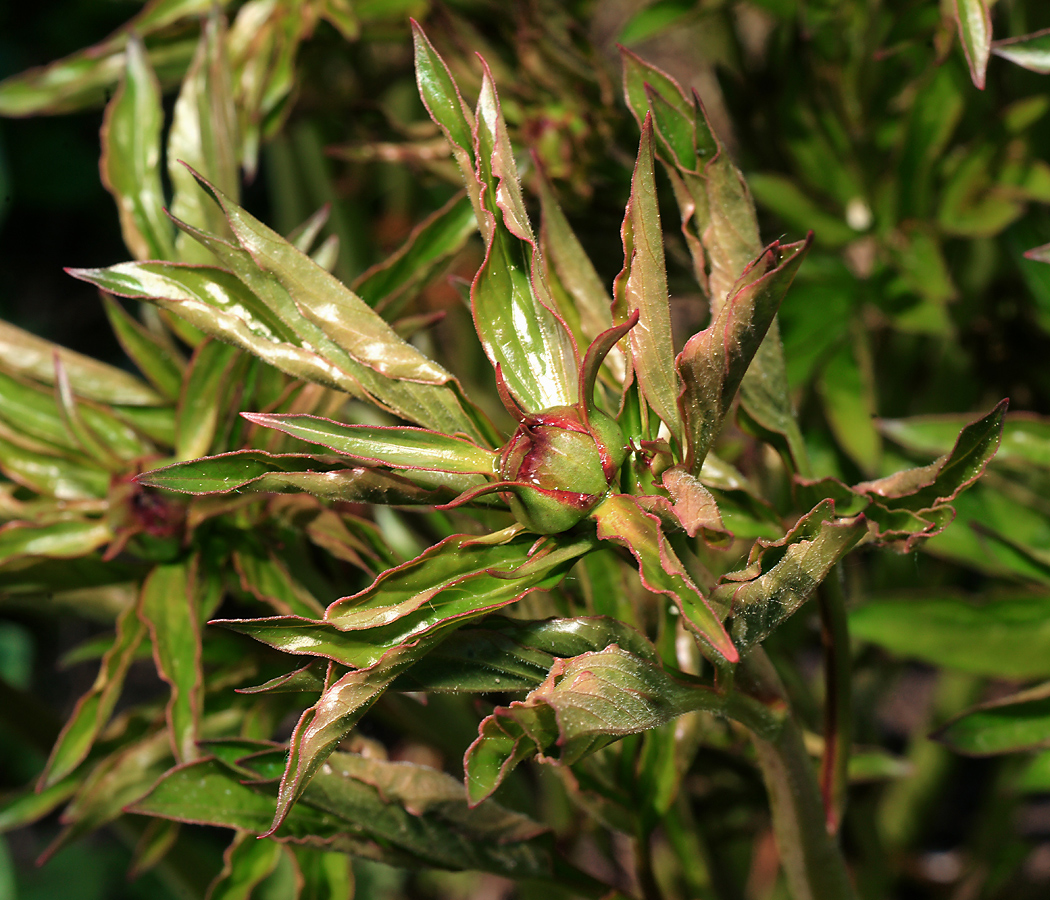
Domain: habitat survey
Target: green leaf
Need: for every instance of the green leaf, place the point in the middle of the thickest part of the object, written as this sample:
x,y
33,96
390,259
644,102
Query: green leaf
x,y
94,708
424,813
86,78
46,474
584,704
445,587
1001,636
65,539
267,578
513,310
327,315
1031,51
155,357
247,862
783,197
201,401
645,289
975,35
30,805
168,608
562,249
204,136
325,876
848,393
782,575
452,594
430,245
262,472
1018,722
713,363
942,481
207,792
397,447
22,353
130,164
1025,438
622,520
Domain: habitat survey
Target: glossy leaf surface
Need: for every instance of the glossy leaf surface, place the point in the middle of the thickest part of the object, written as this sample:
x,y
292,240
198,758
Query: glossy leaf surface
x,y
975,33
399,448
1031,51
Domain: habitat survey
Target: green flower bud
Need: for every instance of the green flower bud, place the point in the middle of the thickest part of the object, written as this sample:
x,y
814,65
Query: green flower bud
x,y
563,467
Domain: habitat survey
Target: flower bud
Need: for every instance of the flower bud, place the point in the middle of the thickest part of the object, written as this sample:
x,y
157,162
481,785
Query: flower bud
x,y
568,464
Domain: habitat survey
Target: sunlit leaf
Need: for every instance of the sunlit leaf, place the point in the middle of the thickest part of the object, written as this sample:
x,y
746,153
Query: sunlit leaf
x,y
56,540
1032,51
399,448
155,357
130,164
975,34
204,136
22,353
200,404
941,481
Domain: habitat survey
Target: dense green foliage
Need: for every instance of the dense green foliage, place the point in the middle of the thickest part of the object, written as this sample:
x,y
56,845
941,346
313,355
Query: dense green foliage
x,y
519,520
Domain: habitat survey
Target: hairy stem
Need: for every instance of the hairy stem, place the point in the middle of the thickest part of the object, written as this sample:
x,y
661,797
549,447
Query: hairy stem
x,y
812,860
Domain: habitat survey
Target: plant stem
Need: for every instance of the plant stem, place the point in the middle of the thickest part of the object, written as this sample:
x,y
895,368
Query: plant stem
x,y
838,713
812,860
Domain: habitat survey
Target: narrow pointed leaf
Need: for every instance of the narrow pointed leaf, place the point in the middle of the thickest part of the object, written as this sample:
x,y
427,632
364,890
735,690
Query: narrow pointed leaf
x,y
448,585
1008,725
168,608
943,480
201,402
574,268
975,35
509,654
459,600
713,363
585,703
622,520
25,354
430,245
645,290
157,359
247,862
130,164
30,806
203,135
94,708
69,411
207,792
267,578
782,575
397,447
513,310
1025,438
56,540
52,476
1032,51
262,472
